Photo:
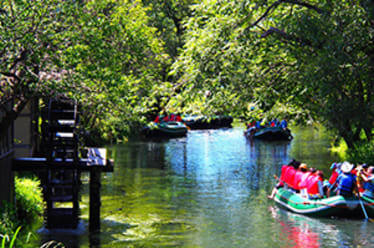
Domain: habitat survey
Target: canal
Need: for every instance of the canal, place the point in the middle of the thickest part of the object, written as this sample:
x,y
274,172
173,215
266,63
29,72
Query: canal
x,y
209,190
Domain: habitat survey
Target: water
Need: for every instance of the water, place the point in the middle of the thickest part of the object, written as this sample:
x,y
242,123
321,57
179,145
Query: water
x,y
209,190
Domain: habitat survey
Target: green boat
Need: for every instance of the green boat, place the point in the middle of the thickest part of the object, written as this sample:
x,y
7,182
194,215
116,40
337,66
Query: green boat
x,y
347,207
170,129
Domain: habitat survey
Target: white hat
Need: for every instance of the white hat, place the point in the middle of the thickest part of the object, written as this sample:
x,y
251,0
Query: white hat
x,y
346,167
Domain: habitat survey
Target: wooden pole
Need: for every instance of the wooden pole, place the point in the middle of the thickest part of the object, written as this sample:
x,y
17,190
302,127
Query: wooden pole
x,y
95,203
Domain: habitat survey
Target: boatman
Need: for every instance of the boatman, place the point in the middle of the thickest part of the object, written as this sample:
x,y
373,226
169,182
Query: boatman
x,y
283,124
346,181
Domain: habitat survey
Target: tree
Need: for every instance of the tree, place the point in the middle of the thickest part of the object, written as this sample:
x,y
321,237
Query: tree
x,y
30,41
168,17
310,55
104,53
119,60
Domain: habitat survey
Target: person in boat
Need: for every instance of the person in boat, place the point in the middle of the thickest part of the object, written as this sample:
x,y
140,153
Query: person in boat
x,y
258,125
277,123
305,181
346,181
251,124
299,175
284,176
315,185
362,177
367,180
290,175
272,123
166,118
330,185
157,119
251,127
284,124
173,117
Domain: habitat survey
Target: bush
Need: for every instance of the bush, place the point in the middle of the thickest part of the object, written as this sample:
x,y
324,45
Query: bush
x,y
362,153
28,207
8,219
29,200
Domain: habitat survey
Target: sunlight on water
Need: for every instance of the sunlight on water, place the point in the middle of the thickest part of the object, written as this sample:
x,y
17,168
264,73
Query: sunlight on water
x,y
209,190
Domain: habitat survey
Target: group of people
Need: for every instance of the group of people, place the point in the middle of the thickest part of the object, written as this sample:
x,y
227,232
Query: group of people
x,y
166,118
346,179
262,124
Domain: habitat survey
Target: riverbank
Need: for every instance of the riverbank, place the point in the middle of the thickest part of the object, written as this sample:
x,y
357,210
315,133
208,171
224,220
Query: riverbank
x,y
24,213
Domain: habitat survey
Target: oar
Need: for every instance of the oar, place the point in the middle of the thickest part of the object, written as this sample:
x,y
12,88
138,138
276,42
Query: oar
x,y
362,204
363,208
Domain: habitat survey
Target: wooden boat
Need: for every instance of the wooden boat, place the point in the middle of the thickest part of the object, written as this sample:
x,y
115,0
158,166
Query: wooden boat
x,y
204,122
170,129
347,207
269,133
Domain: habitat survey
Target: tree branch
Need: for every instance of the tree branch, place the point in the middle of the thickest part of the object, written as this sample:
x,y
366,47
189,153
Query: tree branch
x,y
274,5
306,5
286,36
8,74
277,3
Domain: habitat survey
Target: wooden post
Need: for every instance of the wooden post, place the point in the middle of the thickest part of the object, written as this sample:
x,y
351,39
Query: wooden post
x,y
95,203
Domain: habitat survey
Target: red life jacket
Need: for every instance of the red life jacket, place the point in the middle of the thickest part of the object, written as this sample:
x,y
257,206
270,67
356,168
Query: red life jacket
x,y
283,173
304,180
297,179
312,187
157,120
333,177
289,176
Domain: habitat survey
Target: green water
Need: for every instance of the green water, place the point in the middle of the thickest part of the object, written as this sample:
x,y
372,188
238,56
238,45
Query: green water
x,y
209,190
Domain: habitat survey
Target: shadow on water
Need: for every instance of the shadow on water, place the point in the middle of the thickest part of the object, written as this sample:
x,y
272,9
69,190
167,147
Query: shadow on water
x,y
209,190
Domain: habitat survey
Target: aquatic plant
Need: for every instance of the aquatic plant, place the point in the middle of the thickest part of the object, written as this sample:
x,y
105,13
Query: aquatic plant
x,y
6,238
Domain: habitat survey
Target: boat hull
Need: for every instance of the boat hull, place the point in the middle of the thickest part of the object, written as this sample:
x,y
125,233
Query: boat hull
x,y
270,134
165,130
347,207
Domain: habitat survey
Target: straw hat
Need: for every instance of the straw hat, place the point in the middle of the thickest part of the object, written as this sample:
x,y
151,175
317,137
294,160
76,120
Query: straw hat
x,y
346,167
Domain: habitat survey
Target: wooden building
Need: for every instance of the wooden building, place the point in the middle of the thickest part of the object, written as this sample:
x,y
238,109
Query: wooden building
x,y
58,162
6,156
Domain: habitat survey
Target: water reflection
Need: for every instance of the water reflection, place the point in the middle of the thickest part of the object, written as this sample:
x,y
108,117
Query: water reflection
x,y
302,231
209,190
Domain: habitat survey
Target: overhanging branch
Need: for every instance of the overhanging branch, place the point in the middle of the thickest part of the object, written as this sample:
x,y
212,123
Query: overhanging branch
x,y
306,5
279,2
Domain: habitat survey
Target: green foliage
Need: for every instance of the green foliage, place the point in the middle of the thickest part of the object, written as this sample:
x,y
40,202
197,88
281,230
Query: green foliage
x,y
362,153
314,60
29,201
129,60
168,17
5,239
8,219
119,60
28,207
